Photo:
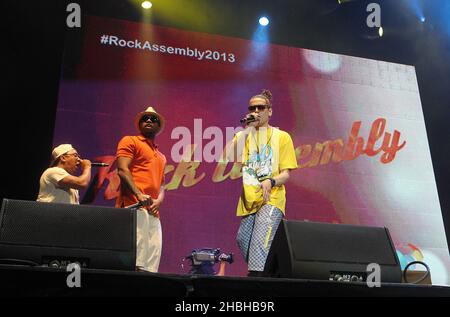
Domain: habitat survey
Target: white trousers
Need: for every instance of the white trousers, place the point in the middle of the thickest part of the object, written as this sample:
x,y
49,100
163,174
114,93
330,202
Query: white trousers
x,y
148,241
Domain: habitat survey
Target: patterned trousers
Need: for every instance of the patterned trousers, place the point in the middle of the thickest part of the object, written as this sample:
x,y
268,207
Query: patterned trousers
x,y
255,235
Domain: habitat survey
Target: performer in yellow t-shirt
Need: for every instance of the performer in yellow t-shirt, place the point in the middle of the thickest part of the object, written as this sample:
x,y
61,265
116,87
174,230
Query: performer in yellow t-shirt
x,y
267,155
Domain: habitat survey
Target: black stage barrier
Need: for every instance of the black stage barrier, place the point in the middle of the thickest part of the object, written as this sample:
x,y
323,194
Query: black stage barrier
x,y
283,287
324,251
49,234
20,281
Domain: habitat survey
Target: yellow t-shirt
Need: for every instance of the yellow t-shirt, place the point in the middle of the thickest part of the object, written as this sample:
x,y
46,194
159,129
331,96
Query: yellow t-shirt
x,y
266,153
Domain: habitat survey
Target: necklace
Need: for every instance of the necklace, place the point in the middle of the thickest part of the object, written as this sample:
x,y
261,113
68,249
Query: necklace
x,y
257,144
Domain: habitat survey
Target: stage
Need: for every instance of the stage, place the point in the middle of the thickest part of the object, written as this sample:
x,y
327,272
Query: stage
x,y
23,281
367,117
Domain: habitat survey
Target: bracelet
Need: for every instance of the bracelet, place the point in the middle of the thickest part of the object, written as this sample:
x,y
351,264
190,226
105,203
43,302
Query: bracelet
x,y
272,182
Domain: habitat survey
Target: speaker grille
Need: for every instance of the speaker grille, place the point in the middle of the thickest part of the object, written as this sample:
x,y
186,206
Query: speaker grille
x,y
340,243
65,225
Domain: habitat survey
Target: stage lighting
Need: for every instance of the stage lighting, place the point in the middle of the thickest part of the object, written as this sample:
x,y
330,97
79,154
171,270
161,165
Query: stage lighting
x,y
380,31
422,19
146,5
264,21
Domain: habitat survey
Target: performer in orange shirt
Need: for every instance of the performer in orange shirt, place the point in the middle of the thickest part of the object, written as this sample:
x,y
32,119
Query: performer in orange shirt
x,y
141,171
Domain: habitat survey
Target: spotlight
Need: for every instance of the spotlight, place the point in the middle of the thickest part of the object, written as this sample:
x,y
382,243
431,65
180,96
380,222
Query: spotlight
x,y
381,31
146,5
422,19
264,21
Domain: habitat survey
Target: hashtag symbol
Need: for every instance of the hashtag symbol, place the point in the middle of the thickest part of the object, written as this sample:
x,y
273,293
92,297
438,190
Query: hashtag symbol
x,y
104,39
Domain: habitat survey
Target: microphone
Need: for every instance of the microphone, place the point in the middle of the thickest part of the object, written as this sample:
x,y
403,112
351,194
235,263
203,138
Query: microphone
x,y
248,119
99,164
134,206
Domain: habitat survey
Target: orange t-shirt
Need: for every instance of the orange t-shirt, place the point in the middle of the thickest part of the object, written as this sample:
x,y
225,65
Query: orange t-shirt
x,y
147,168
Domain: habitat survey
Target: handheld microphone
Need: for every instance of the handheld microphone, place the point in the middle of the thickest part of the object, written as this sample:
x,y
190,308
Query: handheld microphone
x,y
134,206
99,164
248,119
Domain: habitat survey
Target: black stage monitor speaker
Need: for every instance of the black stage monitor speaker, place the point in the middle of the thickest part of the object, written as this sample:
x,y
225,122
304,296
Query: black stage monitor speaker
x,y
50,234
324,251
